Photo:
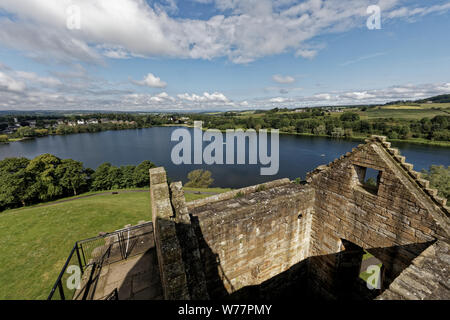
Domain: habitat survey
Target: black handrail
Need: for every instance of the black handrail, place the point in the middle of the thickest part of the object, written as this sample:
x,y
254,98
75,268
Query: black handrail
x,y
58,283
84,249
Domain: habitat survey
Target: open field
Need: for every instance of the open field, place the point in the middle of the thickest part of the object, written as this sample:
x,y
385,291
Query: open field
x,y
35,241
412,112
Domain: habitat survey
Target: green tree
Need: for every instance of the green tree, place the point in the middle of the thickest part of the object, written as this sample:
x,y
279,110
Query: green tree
x,y
320,130
338,132
25,132
72,176
439,177
127,177
349,116
46,184
100,178
14,182
199,179
141,177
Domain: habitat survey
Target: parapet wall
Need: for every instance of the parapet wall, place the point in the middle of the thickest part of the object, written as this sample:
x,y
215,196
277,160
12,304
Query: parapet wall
x,y
169,253
253,237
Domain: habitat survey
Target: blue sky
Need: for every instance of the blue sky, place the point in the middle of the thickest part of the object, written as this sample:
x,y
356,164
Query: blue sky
x,y
219,54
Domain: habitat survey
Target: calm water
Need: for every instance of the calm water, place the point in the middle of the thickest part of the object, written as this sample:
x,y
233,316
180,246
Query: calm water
x,y
298,154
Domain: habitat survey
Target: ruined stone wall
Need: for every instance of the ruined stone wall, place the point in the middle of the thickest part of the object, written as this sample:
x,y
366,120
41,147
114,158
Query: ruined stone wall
x,y
392,221
250,238
279,238
168,248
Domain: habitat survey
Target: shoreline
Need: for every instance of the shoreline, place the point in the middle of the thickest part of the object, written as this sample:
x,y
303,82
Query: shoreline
x,y
419,141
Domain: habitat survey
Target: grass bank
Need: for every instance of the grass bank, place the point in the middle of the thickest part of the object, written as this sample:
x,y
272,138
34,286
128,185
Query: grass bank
x,y
35,241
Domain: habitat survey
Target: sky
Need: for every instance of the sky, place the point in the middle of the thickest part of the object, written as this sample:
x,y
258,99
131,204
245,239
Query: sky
x,y
200,55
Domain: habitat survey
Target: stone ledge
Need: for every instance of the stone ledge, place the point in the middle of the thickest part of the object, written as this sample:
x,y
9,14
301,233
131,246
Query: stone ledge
x,y
231,194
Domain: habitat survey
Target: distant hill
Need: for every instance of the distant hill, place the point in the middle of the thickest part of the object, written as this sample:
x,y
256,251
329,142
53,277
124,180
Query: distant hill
x,y
443,98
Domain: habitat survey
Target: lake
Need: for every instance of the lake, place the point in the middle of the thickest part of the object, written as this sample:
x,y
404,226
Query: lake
x,y
298,154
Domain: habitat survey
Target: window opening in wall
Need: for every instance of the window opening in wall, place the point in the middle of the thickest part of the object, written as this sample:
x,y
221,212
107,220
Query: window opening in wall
x,y
369,178
359,274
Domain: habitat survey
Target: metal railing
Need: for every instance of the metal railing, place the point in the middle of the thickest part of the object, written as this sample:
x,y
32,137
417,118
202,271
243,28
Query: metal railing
x,y
114,295
81,269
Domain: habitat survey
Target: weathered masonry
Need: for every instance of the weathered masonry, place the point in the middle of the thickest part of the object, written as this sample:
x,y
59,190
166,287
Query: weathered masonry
x,y
281,239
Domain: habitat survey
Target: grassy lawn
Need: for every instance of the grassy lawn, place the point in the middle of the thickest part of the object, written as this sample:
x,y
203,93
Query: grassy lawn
x,y
35,241
364,275
411,112
199,196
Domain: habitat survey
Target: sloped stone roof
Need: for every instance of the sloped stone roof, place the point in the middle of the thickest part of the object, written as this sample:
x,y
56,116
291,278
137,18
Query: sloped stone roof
x,y
427,278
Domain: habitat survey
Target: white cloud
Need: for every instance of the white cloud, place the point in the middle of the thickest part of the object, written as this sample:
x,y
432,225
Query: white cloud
x,y
7,83
283,79
393,93
306,53
370,56
245,30
358,95
322,96
278,100
152,81
33,77
206,97
418,11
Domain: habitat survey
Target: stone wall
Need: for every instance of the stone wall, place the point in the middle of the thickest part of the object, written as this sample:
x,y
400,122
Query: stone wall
x,y
190,251
390,221
253,237
280,239
169,253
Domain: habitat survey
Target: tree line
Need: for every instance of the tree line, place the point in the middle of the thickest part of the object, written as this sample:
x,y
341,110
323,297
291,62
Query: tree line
x,y
318,122
314,121
46,177
48,125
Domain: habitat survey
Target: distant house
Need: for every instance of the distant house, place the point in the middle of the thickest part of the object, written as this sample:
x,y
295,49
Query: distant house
x,y
10,129
72,123
92,121
32,123
104,120
80,122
